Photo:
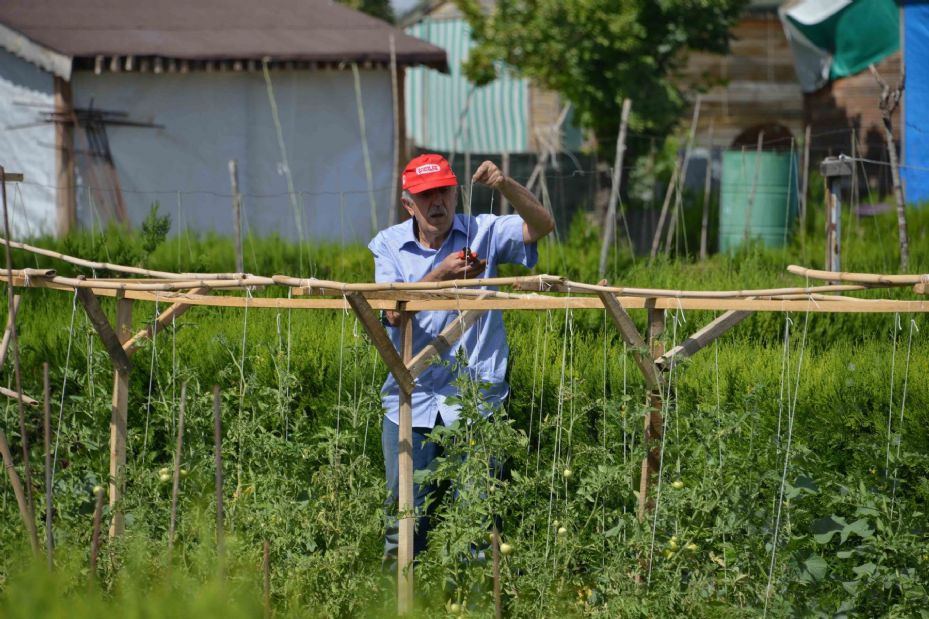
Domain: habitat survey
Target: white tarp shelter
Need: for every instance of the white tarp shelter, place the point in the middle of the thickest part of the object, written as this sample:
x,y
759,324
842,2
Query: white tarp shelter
x,y
151,100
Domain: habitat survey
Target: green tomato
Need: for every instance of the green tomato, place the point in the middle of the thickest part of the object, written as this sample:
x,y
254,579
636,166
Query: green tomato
x,y
506,549
567,474
691,547
562,531
97,490
164,471
455,608
677,484
164,477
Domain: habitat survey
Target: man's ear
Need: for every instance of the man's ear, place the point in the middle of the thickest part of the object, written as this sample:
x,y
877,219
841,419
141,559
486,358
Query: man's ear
x,y
408,205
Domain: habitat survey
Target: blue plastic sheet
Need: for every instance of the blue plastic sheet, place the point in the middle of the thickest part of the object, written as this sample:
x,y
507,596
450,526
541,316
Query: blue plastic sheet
x,y
915,109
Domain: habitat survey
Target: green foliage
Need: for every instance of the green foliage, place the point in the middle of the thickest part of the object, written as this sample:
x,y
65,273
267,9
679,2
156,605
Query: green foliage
x,y
155,229
596,52
304,471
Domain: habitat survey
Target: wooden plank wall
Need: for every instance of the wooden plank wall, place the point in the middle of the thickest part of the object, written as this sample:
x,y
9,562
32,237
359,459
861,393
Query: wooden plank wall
x,y
755,83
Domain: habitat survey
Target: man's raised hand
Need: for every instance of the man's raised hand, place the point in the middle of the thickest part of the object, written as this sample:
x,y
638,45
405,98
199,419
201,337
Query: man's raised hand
x,y
489,174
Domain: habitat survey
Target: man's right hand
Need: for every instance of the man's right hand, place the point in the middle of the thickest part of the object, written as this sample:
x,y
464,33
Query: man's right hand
x,y
456,266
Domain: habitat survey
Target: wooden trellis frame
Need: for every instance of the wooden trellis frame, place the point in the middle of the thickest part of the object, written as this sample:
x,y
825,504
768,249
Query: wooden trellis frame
x,y
471,300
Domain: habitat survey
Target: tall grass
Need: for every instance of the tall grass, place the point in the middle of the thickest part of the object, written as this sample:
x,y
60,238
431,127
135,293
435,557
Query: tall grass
x,y
304,471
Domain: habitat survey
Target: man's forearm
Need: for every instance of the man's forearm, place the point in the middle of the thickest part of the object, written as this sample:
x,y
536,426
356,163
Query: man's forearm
x,y
539,222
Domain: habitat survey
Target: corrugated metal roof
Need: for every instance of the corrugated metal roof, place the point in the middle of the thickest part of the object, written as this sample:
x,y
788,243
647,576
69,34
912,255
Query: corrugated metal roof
x,y
446,113
300,30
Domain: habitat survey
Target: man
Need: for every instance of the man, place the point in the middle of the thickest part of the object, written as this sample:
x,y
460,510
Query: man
x,y
437,244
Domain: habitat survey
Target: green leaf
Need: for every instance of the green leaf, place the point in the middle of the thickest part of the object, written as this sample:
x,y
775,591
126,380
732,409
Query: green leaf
x,y
614,531
860,528
865,569
824,528
816,567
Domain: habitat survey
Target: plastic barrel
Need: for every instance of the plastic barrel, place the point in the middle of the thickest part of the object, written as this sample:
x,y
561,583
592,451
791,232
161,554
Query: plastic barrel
x,y
766,213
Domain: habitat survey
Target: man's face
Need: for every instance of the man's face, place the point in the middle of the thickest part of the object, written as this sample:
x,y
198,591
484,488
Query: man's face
x,y
434,210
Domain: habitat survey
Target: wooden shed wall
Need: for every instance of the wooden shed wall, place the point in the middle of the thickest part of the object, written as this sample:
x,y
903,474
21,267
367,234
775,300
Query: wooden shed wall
x,y
755,84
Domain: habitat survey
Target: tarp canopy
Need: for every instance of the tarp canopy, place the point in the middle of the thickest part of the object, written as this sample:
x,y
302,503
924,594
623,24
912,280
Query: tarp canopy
x,y
915,110
836,38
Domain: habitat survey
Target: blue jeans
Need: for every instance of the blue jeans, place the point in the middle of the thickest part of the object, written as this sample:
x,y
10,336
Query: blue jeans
x,y
424,452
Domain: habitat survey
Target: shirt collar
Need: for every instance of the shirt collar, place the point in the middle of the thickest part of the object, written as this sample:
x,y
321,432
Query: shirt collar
x,y
408,231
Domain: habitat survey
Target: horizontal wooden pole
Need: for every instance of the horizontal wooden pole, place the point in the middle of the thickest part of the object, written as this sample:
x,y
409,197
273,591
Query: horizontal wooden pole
x,y
12,394
118,268
526,302
861,278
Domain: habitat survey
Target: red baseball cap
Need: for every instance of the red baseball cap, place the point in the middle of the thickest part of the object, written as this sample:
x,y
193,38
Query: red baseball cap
x,y
428,172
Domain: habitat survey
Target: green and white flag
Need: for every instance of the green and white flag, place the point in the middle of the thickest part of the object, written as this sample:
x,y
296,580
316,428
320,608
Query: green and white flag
x,y
835,38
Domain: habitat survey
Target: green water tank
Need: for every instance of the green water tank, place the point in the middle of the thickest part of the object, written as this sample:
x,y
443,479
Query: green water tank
x,y
758,199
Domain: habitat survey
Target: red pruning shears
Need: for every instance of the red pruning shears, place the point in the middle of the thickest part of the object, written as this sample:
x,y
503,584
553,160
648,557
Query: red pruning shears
x,y
468,255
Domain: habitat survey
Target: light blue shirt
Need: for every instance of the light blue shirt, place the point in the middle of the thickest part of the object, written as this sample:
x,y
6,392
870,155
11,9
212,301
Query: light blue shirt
x,y
399,257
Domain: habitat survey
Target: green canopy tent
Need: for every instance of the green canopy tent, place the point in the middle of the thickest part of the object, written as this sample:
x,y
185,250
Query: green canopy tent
x,y
836,38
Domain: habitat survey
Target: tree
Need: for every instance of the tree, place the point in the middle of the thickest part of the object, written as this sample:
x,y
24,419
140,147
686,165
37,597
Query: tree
x,y
376,8
596,52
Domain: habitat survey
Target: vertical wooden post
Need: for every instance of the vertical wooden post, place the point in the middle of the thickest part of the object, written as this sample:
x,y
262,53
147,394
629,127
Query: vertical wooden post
x,y
405,453
28,521
707,194
833,170
236,215
467,180
394,91
176,478
653,418
266,581
65,209
47,427
118,420
218,464
609,222
805,177
95,537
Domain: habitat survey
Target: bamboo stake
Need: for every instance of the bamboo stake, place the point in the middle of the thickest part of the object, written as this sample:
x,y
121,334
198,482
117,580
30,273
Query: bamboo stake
x,y
266,570
890,99
669,192
805,178
218,465
47,426
100,495
498,601
28,521
175,485
707,191
236,215
682,178
17,371
5,344
609,222
393,211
